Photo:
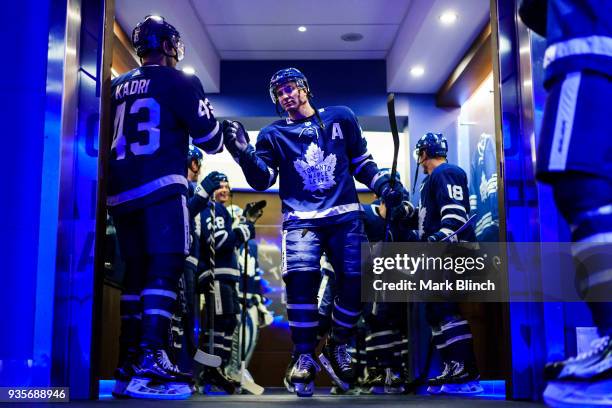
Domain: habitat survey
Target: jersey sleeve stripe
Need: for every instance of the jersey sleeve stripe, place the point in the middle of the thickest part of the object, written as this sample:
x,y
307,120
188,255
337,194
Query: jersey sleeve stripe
x,y
452,207
209,136
360,158
358,169
455,216
146,189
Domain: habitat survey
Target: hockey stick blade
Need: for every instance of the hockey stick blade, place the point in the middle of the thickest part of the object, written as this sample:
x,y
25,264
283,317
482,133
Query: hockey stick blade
x,y
206,359
247,384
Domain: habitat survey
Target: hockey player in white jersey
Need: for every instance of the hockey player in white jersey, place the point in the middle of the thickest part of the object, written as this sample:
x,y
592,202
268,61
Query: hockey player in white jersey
x,y
316,154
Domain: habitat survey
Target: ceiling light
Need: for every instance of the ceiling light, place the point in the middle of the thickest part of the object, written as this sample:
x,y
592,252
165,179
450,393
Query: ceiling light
x,y
189,70
448,17
417,71
301,29
352,37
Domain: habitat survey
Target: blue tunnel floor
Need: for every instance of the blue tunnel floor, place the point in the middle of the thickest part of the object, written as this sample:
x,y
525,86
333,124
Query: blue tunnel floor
x,y
278,397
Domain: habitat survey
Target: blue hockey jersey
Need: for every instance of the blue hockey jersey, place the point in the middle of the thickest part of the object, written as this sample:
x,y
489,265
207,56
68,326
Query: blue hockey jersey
x,y
483,189
253,271
154,110
444,205
227,239
578,33
316,166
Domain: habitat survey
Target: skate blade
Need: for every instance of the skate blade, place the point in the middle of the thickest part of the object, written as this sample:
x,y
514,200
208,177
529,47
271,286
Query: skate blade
x,y
304,389
289,386
341,384
119,390
145,388
434,389
471,387
565,394
394,390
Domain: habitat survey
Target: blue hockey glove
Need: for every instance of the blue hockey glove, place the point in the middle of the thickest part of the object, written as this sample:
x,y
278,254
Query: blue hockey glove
x,y
211,183
391,196
235,137
403,211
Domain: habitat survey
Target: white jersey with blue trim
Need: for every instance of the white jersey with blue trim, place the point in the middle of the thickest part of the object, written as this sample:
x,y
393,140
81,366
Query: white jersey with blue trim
x,y
316,166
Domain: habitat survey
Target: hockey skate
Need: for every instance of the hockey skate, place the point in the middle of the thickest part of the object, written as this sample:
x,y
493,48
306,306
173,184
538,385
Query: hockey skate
x,y
463,379
123,375
337,361
156,377
394,383
300,375
434,385
584,380
213,380
374,381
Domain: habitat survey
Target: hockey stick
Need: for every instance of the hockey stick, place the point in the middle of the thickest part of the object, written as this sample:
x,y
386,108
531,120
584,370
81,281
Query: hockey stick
x,y
460,229
395,134
210,359
246,383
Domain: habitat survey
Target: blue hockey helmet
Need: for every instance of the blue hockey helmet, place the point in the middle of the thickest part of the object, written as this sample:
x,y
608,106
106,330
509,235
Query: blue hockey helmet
x,y
434,144
150,34
194,154
288,75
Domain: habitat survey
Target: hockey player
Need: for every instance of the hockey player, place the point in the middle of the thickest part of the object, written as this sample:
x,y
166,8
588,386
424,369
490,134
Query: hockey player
x,y
186,320
574,157
443,208
257,316
383,320
154,109
316,153
226,276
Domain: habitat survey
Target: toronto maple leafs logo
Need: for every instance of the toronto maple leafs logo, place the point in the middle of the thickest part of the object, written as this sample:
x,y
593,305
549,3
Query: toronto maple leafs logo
x,y
317,171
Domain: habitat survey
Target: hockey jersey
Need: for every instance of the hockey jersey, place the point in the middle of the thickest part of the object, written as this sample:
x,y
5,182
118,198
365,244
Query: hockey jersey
x,y
316,166
483,190
154,110
227,239
578,33
444,205
253,271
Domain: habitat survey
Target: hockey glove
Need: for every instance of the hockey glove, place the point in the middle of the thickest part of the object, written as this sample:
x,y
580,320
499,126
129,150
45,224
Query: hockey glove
x,y
392,196
254,210
436,237
211,183
404,211
235,137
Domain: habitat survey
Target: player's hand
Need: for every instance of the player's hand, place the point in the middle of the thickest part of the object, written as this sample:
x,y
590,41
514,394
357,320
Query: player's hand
x,y
212,182
253,211
403,211
392,196
235,137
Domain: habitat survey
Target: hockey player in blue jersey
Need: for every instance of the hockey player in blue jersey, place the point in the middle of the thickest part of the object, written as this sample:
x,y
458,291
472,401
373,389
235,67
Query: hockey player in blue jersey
x,y
154,110
442,213
226,275
316,154
575,158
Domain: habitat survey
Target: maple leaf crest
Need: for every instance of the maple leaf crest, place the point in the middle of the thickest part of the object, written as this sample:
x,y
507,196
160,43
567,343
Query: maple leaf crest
x,y
317,171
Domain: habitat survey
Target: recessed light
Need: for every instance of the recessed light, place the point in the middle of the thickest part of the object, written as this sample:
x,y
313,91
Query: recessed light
x,y
352,37
301,29
417,71
448,17
189,70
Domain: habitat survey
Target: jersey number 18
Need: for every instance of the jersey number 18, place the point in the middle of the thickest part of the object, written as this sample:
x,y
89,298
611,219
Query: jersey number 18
x,y
150,127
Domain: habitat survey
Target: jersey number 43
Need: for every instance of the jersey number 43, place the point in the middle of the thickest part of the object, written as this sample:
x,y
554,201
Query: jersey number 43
x,y
148,146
